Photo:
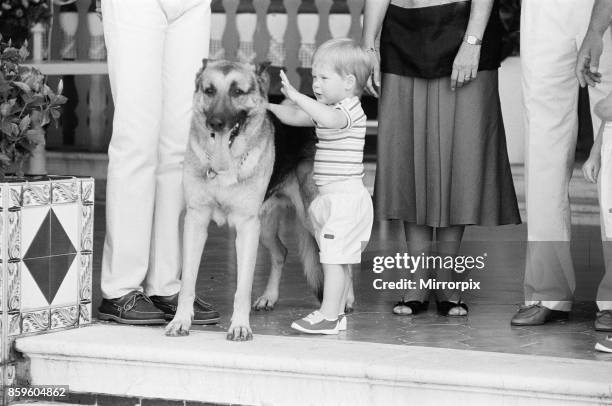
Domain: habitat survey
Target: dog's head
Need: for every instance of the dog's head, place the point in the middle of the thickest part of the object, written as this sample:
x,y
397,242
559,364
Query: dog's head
x,y
229,105
228,94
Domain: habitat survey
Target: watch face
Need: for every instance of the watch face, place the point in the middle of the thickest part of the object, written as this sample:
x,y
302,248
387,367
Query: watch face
x,y
472,40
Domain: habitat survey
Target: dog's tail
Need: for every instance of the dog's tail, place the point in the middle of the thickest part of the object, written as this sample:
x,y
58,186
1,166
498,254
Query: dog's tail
x,y
309,255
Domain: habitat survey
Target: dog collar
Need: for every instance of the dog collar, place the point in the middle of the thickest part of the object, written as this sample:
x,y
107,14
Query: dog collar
x,y
211,173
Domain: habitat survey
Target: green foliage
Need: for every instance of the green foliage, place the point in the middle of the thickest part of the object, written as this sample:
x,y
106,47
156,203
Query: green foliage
x,y
18,16
27,104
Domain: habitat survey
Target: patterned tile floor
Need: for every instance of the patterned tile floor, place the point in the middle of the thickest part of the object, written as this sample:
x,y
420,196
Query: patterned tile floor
x,y
486,329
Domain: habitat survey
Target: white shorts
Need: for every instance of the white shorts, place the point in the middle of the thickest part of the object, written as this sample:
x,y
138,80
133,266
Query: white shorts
x,y
342,216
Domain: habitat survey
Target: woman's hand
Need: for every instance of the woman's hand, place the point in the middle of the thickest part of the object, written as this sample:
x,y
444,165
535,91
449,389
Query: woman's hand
x,y
465,66
590,169
287,89
373,83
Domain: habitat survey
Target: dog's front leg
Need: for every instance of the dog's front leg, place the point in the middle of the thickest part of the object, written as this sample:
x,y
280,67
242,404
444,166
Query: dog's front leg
x,y
247,240
195,234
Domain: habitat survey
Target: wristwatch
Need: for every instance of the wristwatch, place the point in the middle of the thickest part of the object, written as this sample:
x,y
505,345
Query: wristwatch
x,y
472,40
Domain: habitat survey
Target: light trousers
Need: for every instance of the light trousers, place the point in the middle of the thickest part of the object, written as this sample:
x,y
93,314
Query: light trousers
x,y
155,48
551,35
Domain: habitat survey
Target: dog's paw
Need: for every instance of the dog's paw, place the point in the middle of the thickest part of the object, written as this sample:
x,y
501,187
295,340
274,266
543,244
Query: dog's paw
x,y
178,327
265,302
239,333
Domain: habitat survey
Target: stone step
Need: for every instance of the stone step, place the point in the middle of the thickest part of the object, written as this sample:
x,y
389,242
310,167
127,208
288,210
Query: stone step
x,y
276,370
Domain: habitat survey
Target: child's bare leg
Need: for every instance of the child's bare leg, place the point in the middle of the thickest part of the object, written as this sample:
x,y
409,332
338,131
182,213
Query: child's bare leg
x,y
347,286
333,290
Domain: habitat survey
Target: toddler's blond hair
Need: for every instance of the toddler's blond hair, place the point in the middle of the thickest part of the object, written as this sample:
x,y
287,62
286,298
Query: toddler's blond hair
x,y
347,58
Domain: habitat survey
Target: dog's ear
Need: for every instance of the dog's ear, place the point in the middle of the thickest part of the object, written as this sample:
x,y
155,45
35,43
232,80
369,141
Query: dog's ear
x,y
198,82
262,67
263,78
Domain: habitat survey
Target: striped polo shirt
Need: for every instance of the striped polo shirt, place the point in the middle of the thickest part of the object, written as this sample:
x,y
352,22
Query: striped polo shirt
x,y
339,154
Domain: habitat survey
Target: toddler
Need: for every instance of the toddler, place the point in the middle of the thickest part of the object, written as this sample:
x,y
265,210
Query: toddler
x,y
342,212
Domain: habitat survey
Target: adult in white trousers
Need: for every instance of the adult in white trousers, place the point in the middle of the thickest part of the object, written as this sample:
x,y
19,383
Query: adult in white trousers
x,y
155,48
598,167
552,32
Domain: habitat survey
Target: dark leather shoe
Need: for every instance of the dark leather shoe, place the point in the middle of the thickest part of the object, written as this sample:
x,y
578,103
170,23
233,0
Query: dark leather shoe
x,y
132,308
536,314
603,321
203,313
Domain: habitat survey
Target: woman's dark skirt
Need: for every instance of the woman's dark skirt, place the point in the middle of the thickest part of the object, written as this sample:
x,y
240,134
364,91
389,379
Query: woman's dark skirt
x,y
442,158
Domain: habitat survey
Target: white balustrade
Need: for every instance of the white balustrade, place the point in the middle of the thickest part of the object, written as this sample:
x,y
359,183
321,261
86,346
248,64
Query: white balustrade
x,y
283,32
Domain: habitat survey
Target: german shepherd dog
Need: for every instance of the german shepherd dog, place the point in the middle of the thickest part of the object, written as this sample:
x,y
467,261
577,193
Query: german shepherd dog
x,y
241,166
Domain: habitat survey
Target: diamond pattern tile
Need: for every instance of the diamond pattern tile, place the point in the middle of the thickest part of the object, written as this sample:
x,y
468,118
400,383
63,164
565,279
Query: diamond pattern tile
x,y
36,232
68,292
44,281
49,273
64,223
34,298
50,239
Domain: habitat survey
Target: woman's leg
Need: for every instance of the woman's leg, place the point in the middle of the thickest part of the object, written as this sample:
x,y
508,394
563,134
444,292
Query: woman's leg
x,y
448,241
419,239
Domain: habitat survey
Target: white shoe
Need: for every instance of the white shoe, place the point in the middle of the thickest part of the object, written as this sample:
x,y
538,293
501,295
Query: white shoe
x,y
342,322
604,345
316,323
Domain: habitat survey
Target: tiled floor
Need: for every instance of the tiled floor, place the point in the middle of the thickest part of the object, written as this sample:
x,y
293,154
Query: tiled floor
x,y
486,329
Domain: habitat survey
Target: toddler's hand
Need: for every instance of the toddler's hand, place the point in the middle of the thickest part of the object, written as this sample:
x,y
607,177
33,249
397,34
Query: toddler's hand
x,y
590,169
288,90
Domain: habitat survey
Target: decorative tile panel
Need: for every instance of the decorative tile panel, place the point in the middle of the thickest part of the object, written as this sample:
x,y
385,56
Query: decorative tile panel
x,y
46,244
87,228
14,324
14,196
87,191
64,192
14,235
13,281
36,194
85,280
84,314
36,321
10,375
62,317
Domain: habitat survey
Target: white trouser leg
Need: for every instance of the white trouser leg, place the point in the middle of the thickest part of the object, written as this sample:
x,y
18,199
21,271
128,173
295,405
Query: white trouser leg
x,y
136,32
604,183
187,41
549,44
604,186
134,35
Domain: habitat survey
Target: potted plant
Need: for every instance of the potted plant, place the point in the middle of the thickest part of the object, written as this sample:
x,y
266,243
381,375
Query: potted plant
x,y
27,105
46,222
20,19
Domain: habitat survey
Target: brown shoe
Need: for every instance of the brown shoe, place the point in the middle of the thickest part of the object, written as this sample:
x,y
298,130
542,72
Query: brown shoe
x,y
132,308
203,313
536,314
603,321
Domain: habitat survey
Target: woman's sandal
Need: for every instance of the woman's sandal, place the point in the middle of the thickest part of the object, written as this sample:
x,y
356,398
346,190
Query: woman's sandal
x,y
414,305
445,307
